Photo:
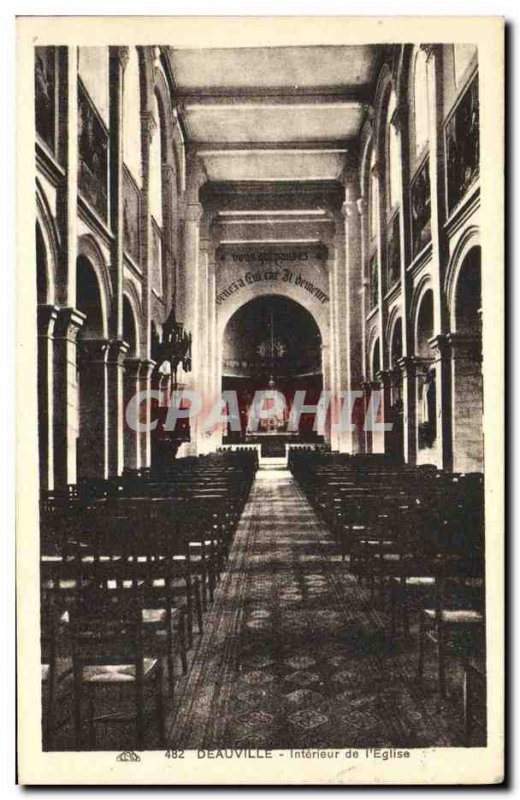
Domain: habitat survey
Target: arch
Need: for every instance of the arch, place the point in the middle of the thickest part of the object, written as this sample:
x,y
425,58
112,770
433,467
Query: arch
x,y
132,106
319,311
89,300
469,239
385,85
42,269
424,322
418,100
132,295
279,325
252,314
130,327
374,350
167,114
402,77
90,250
392,164
395,338
467,295
366,155
50,242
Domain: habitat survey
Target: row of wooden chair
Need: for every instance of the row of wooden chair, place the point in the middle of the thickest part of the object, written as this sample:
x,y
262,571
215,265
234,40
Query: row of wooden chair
x,y
127,572
415,536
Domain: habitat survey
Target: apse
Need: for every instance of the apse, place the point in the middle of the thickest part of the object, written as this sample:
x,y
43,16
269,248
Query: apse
x,y
272,344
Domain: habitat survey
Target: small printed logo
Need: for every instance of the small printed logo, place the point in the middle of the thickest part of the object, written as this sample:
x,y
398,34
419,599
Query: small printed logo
x,y
128,755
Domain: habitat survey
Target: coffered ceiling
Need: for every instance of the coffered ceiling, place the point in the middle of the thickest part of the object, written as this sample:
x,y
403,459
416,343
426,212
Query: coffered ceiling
x,y
274,115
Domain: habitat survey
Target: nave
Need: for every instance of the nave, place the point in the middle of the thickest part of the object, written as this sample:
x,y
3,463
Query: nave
x,y
304,644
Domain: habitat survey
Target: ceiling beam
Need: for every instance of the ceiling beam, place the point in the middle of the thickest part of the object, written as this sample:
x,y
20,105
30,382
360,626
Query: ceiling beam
x,y
268,95
239,148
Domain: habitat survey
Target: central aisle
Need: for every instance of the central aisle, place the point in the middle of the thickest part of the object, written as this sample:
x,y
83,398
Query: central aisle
x,y
292,654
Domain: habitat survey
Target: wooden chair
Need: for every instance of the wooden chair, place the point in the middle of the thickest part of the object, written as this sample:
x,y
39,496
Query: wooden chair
x,y
112,649
456,621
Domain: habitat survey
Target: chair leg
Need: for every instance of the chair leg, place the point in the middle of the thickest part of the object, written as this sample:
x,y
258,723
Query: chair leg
x,y
91,716
422,644
139,713
78,688
189,609
48,725
467,701
181,629
198,604
393,610
159,707
405,612
441,663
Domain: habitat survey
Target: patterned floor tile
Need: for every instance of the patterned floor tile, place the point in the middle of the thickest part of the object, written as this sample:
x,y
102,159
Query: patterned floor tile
x,y
255,719
304,697
303,678
307,719
300,661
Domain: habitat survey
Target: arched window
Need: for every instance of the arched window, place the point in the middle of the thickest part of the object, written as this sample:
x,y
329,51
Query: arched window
x,y
392,155
156,167
132,118
420,101
373,196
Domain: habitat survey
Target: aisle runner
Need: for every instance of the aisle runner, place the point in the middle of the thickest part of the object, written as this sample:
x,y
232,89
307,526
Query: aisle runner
x,y
293,655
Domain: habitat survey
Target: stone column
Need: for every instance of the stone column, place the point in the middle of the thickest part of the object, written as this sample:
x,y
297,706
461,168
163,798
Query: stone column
x,y
169,231
355,309
467,402
131,438
148,129
118,59
47,316
144,382
67,198
408,368
400,124
437,185
384,437
65,384
192,310
381,258
335,345
361,205
442,357
93,409
115,377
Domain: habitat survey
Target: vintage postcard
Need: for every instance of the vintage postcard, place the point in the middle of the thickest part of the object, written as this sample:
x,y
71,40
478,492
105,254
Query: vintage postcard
x,y
260,349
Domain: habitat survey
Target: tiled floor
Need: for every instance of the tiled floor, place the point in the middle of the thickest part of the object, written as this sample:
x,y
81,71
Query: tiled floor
x,y
293,654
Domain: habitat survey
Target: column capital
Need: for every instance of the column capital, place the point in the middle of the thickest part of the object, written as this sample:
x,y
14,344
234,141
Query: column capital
x,y
123,54
375,170
146,367
384,376
47,316
465,345
429,49
412,365
117,350
348,209
149,124
68,323
193,212
361,205
93,351
132,367
440,346
399,117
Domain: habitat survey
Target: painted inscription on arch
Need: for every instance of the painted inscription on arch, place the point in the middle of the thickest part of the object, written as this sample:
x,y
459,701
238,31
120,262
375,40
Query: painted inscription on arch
x,y
271,276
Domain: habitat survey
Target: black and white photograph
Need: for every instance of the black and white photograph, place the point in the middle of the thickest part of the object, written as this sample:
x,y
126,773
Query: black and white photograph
x,y
262,302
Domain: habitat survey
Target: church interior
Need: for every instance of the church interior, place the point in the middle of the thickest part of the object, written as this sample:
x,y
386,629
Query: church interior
x,y
297,222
